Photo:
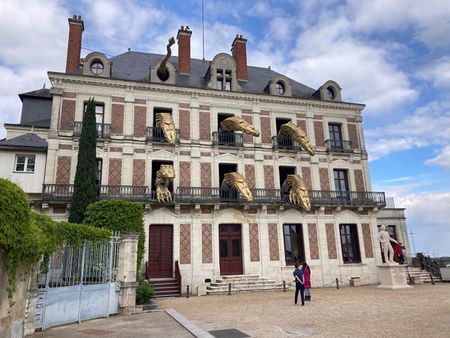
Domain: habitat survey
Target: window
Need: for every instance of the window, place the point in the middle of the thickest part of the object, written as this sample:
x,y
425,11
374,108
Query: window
x,y
97,67
284,140
223,79
225,137
331,93
283,173
99,117
280,88
294,251
227,192
350,243
158,133
335,135
25,163
341,184
98,174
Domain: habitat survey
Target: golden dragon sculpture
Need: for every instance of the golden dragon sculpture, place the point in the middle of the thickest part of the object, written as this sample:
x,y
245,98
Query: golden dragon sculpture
x,y
238,182
164,176
165,121
298,135
298,192
235,123
163,72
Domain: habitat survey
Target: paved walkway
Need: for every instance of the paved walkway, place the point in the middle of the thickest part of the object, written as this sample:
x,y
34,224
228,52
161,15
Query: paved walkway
x,y
422,311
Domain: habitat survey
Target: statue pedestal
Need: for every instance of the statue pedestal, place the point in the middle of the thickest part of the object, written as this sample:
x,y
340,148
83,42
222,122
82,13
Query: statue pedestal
x,y
393,276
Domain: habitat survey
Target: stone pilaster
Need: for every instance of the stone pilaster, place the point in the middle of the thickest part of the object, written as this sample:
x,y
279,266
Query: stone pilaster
x,y
126,273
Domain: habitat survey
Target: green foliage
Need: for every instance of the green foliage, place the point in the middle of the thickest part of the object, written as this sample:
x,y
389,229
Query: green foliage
x,y
85,176
120,216
144,293
26,236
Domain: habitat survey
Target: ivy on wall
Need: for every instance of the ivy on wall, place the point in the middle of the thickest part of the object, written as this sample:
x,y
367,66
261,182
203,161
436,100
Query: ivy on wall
x,y
120,216
26,236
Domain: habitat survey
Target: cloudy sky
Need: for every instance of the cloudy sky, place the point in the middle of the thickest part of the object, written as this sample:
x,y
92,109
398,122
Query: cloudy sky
x,y
392,56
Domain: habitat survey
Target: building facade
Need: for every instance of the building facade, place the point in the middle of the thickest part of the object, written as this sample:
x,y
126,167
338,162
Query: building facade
x,y
207,228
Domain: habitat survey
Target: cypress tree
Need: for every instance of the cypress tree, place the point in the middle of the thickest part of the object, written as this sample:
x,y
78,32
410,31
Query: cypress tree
x,y
85,176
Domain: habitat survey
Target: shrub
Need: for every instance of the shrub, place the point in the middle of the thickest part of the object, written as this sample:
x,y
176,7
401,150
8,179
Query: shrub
x,y
120,216
144,293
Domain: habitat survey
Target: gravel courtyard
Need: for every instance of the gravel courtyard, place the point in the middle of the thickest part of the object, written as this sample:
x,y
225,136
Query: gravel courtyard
x,y
422,311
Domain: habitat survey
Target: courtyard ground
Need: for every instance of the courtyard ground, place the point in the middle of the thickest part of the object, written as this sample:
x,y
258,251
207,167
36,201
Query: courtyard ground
x,y
421,311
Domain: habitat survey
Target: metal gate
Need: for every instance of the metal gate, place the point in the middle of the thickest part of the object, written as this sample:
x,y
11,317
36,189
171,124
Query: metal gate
x,y
80,284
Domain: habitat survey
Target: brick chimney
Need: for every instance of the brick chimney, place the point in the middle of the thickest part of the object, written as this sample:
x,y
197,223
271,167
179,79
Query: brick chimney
x,y
239,51
184,50
76,28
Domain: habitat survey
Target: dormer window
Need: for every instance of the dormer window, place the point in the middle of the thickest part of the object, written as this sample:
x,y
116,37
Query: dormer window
x,y
280,88
223,81
97,67
330,92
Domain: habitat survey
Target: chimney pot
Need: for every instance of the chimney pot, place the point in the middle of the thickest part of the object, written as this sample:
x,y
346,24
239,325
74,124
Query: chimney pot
x,y
76,28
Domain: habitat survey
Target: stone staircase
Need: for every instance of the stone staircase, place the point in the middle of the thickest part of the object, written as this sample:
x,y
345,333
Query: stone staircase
x,y
165,287
242,283
423,275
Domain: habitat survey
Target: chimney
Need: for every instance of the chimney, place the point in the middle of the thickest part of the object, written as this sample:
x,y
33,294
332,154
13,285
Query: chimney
x,y
76,28
184,50
239,51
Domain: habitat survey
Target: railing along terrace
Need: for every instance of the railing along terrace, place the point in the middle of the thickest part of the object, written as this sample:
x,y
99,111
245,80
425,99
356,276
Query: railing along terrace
x,y
283,141
213,195
338,146
227,138
103,129
156,134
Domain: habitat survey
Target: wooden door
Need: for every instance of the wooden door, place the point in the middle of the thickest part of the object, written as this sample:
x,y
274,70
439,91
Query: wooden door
x,y
160,258
230,249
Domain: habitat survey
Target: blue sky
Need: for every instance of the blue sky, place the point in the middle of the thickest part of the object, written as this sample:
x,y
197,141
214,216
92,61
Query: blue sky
x,y
392,56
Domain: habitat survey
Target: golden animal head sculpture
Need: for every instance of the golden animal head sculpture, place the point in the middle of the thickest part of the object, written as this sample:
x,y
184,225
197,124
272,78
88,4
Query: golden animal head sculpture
x,y
238,182
298,192
165,121
164,176
298,135
235,123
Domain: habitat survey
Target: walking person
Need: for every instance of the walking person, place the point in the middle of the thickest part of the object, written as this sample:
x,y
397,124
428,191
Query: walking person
x,y
307,278
299,281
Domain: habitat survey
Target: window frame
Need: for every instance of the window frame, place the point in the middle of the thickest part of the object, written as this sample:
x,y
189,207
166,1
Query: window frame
x,y
224,79
355,250
299,235
26,157
95,70
335,129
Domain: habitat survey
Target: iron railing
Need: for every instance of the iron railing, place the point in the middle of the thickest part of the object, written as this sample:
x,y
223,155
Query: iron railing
x,y
211,195
156,134
433,266
178,276
284,141
103,129
227,138
338,146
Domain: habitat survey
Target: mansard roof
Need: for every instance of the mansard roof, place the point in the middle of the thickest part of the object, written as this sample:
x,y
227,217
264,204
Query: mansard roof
x,y
29,141
135,66
42,93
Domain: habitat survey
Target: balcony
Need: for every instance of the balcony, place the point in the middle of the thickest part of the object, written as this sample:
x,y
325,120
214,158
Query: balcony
x,y
103,129
338,146
196,195
156,134
225,138
283,141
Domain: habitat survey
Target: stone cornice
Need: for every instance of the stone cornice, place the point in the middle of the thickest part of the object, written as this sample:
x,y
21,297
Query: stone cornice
x,y
58,78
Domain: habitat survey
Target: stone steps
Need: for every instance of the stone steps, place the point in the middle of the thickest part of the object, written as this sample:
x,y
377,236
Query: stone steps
x,y
422,274
242,283
165,288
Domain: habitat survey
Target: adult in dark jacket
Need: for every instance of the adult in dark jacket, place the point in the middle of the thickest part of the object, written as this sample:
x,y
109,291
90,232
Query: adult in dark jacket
x,y
299,281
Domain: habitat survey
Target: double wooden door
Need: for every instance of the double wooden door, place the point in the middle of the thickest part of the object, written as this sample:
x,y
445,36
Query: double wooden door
x,y
230,248
160,256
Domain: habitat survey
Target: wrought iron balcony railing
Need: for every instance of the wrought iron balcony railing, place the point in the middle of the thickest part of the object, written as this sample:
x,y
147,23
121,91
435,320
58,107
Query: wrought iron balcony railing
x,y
103,129
198,195
338,146
283,141
156,134
227,138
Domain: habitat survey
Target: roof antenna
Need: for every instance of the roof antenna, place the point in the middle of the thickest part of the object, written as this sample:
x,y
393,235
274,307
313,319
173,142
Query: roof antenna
x,y
203,31
43,87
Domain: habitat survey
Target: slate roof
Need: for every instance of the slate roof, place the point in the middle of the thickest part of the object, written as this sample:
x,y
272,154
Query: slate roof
x,y
43,93
29,141
135,66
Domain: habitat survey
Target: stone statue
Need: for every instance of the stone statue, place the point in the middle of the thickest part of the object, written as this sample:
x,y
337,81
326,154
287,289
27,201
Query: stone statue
x,y
163,72
385,240
164,176
298,192
298,135
238,182
165,121
235,123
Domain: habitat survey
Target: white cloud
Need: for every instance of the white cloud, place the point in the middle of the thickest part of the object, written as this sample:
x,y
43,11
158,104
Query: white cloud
x,y
438,73
442,159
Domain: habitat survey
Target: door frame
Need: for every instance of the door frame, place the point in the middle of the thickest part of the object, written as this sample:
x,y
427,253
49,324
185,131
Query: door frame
x,y
230,248
172,267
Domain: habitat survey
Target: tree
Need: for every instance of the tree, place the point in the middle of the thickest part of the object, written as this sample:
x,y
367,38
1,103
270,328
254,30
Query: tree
x,y
85,176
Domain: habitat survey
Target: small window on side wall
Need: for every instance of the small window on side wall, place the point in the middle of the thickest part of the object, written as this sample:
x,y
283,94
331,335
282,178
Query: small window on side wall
x,y
25,163
349,243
